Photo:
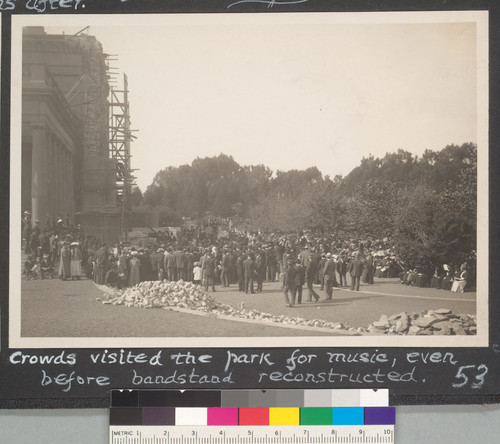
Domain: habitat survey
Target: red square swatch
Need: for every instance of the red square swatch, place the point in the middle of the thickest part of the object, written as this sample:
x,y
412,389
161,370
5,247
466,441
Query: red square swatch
x,y
254,416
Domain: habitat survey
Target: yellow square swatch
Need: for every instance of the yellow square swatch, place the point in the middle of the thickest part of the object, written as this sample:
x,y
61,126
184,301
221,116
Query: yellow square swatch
x,y
284,416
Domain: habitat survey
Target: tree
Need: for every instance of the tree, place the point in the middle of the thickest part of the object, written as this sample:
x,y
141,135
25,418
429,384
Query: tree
x,y
136,198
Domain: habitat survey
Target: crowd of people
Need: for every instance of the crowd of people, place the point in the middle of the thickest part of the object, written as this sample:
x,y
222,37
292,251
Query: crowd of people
x,y
245,259
447,277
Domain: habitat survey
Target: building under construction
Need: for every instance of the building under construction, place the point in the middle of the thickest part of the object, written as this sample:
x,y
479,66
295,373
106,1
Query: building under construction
x,y
75,135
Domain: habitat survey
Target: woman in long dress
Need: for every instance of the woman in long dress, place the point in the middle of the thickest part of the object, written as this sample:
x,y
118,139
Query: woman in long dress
x,y
101,265
65,262
460,281
76,261
134,277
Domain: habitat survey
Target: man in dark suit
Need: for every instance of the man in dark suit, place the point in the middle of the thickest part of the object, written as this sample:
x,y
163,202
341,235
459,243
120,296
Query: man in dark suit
x,y
260,269
356,270
342,270
311,269
329,275
169,264
179,258
240,272
290,284
225,265
249,267
208,269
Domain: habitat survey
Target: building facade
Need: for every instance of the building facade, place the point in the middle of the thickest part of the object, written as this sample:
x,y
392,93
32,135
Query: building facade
x,y
66,168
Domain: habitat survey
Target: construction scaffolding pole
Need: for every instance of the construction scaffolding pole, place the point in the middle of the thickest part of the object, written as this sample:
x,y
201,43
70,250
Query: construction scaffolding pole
x,y
120,138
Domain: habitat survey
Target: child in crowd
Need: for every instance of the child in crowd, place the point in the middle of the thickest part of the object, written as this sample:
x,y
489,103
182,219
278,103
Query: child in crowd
x,y
197,273
46,267
30,268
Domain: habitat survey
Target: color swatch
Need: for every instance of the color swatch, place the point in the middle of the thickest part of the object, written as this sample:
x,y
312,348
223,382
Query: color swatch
x,y
251,408
251,398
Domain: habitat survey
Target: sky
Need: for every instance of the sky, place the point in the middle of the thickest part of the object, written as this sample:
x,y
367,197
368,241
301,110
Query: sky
x,y
290,93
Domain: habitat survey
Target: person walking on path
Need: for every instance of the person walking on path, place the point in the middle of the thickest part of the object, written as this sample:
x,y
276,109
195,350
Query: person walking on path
x,y
249,267
329,275
300,280
290,285
356,271
311,269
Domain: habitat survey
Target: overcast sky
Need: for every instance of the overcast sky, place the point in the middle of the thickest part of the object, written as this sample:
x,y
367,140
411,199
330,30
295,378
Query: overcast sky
x,y
290,95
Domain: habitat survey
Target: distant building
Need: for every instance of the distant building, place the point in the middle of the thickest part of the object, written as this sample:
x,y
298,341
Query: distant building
x,y
66,167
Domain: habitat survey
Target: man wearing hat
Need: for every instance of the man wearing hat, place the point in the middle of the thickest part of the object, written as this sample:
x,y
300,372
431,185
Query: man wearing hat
x,y
290,283
342,269
208,269
329,275
169,264
240,271
320,272
225,264
356,271
249,268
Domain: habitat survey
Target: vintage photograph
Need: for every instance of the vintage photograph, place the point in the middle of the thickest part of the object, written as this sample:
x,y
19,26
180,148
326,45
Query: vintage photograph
x,y
249,180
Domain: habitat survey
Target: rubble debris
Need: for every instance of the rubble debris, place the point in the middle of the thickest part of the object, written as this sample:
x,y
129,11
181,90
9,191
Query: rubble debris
x,y
186,295
189,296
429,322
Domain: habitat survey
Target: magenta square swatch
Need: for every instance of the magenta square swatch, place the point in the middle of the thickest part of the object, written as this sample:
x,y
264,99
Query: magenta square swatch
x,y
226,416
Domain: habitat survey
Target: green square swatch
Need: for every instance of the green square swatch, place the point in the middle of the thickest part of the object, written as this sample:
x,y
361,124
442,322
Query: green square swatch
x,y
316,416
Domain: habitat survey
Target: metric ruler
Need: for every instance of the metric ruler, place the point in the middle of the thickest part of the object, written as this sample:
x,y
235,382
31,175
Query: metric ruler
x,y
355,434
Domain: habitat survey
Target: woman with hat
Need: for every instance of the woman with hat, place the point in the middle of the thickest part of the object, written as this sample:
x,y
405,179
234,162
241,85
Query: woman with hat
x,y
76,261
134,277
65,262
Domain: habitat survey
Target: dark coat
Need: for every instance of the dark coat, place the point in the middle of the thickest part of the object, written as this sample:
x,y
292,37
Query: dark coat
x,y
356,267
290,277
329,270
249,267
209,266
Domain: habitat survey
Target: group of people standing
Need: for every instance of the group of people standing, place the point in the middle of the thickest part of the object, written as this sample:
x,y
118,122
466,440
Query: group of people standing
x,y
54,250
331,271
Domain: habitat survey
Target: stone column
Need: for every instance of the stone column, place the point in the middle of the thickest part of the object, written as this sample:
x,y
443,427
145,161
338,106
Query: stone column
x,y
66,183
38,172
57,177
50,178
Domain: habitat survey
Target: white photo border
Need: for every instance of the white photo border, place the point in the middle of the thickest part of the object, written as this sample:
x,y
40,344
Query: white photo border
x,y
15,339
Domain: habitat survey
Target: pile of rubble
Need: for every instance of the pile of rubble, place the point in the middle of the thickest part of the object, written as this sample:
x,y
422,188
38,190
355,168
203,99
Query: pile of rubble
x,y
429,322
185,295
157,294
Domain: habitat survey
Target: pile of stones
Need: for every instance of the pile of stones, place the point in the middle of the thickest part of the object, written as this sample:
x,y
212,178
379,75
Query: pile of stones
x,y
157,294
186,295
429,322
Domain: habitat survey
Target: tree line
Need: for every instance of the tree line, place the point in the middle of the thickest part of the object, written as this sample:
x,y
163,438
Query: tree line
x,y
425,204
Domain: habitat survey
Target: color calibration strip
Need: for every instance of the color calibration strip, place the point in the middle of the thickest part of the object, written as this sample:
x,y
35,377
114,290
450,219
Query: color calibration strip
x,y
251,407
251,398
252,416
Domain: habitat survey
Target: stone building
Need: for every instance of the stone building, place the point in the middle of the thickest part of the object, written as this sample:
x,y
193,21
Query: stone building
x,y
66,168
